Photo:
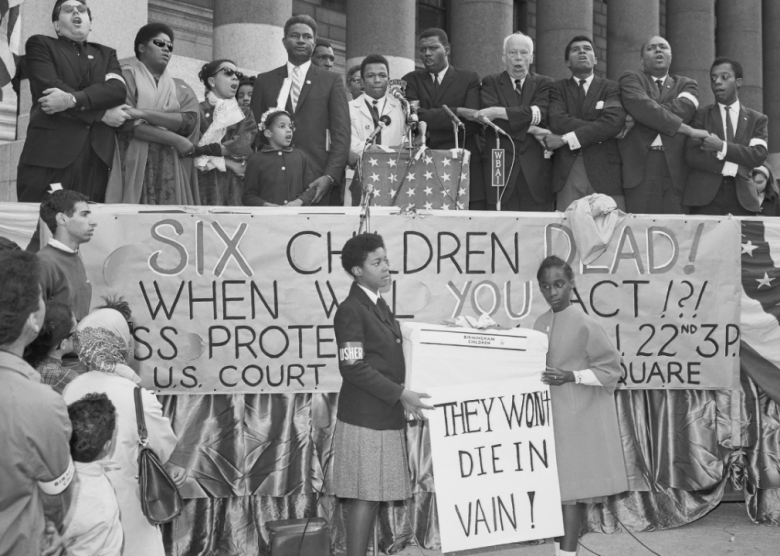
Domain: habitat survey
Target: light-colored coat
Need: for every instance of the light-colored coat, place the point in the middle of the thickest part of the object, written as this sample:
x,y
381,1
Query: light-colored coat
x,y
363,124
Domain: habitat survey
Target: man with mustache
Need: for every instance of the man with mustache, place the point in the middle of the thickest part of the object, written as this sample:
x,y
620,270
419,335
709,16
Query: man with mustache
x,y
439,84
317,99
660,107
721,164
77,94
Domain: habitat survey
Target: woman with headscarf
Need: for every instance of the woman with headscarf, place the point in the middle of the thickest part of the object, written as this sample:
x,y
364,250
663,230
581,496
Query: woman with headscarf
x,y
768,192
104,344
228,132
152,163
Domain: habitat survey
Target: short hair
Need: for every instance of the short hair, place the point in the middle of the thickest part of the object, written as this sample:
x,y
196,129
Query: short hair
x,y
148,32
246,80
554,262
8,245
210,69
648,38
61,201
373,59
356,250
323,42
522,36
735,66
352,70
93,419
19,292
302,20
118,304
57,326
435,32
578,38
55,13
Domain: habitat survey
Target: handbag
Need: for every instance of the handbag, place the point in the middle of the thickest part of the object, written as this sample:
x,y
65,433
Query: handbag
x,y
160,499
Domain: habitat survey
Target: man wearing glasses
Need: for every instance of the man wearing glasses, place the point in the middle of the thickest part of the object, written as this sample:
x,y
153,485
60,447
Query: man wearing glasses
x,y
318,102
354,82
77,90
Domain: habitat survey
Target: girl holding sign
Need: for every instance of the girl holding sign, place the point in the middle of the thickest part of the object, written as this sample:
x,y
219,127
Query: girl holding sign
x,y
369,444
583,368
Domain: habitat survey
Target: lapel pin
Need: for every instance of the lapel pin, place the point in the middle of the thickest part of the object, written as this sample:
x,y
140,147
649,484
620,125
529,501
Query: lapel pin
x,y
308,82
90,56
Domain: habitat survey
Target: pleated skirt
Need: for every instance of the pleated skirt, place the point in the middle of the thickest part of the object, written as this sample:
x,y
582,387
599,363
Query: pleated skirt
x,y
369,464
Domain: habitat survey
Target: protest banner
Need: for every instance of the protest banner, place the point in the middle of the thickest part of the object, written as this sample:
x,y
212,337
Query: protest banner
x,y
244,301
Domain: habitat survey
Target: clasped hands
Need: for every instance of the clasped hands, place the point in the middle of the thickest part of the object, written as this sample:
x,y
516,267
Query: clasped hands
x,y
556,377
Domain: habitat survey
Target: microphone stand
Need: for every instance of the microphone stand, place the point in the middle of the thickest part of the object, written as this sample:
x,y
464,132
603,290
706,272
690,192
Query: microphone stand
x,y
500,189
455,131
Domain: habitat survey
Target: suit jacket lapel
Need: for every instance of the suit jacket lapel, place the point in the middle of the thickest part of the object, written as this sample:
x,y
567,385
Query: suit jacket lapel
x,y
308,83
594,91
444,85
742,121
507,89
529,88
70,55
718,121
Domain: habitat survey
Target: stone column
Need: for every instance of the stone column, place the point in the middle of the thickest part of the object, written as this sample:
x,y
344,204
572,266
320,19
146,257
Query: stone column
x,y
771,43
690,29
382,27
629,23
478,31
738,36
250,32
557,21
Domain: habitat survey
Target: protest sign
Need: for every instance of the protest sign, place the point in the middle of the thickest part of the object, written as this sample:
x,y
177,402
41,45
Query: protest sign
x,y
244,301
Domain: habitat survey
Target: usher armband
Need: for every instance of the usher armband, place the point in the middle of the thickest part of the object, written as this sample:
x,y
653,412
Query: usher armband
x,y
350,353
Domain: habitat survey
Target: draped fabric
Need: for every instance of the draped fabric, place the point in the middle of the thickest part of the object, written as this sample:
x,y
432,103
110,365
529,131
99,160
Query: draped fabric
x,y
259,458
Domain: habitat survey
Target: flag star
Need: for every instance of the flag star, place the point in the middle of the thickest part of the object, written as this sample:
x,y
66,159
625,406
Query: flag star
x,y
428,206
460,205
428,160
428,175
765,281
410,191
445,192
428,190
392,193
376,193
464,176
373,161
410,176
375,177
462,191
410,206
749,248
392,178
446,176
446,162
445,206
391,162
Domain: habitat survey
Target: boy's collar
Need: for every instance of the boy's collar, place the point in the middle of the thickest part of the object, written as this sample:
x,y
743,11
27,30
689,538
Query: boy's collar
x,y
270,149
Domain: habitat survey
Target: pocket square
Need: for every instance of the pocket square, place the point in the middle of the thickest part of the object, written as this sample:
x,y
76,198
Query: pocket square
x,y
600,105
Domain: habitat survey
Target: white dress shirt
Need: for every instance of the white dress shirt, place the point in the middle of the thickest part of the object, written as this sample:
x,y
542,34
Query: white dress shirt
x,y
440,75
300,78
729,168
61,246
571,137
374,297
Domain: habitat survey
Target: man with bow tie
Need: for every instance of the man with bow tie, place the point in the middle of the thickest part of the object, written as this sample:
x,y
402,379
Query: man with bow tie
x,y
77,94
660,107
317,100
585,117
719,181
517,100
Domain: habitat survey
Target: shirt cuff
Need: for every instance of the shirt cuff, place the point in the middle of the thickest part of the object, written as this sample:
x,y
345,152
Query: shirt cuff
x,y
571,140
729,169
757,141
722,152
689,96
536,115
586,378
58,485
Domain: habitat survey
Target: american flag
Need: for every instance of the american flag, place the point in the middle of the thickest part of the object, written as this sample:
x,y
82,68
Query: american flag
x,y
437,179
10,35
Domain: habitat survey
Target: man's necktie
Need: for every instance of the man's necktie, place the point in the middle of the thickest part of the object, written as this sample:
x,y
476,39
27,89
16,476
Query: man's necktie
x,y
295,90
519,90
580,97
384,310
659,83
435,83
375,116
729,125
81,49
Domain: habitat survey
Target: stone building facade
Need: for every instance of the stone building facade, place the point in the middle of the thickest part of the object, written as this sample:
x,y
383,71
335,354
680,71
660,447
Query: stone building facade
x,y
250,32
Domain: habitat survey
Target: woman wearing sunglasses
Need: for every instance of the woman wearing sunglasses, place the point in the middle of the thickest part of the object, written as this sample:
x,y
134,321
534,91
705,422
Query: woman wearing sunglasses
x,y
149,167
228,131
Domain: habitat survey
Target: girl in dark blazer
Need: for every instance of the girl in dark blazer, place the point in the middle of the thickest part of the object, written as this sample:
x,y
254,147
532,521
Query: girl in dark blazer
x,y
369,444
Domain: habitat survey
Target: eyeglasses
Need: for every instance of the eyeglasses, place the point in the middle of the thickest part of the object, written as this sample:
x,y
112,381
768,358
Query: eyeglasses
x,y
159,43
70,8
356,80
230,72
518,54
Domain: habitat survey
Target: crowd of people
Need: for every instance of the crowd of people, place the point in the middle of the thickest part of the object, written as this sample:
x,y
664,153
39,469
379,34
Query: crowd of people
x,y
133,133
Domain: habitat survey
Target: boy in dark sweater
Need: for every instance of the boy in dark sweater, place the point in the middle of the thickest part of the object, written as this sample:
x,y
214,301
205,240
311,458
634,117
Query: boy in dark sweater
x,y
63,277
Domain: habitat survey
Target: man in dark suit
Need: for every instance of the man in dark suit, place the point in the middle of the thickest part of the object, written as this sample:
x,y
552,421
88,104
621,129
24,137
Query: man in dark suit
x,y
653,151
317,100
585,117
721,164
517,100
439,84
77,93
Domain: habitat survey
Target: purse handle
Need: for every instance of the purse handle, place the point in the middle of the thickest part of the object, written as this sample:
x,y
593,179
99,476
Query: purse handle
x,y
143,436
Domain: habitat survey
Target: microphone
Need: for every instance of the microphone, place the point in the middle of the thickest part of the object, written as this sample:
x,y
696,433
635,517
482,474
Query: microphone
x,y
397,94
497,129
384,121
453,116
422,127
